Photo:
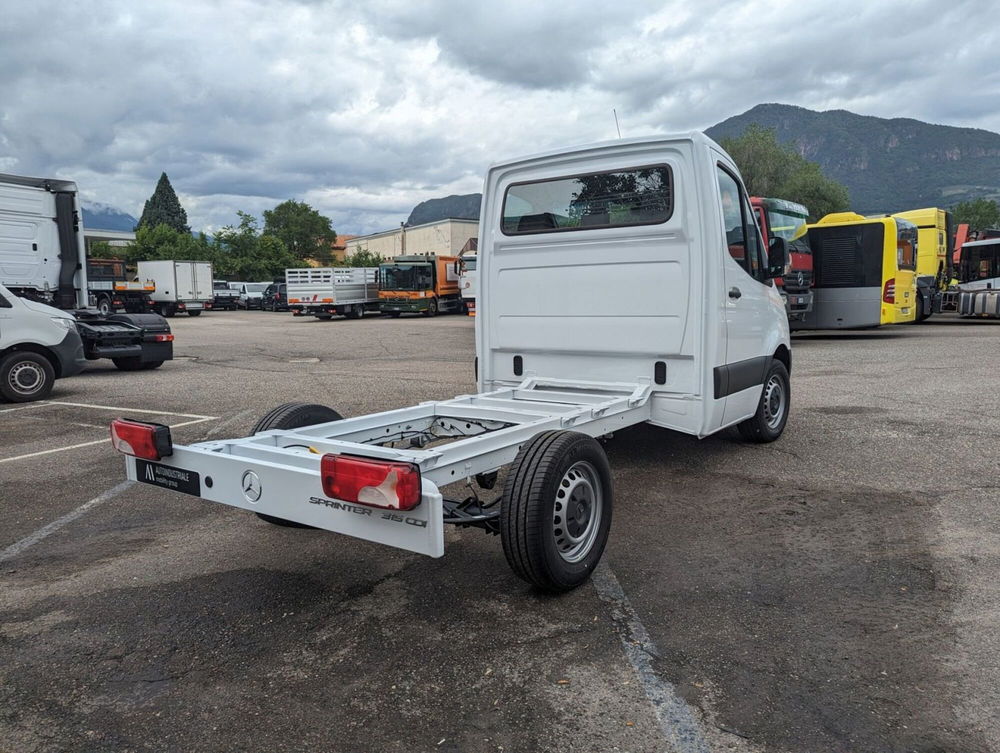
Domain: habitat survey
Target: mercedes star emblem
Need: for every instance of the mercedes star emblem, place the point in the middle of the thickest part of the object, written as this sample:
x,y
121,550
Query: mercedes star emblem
x,y
251,486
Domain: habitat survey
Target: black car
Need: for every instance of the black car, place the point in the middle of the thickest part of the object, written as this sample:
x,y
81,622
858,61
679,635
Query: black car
x,y
275,297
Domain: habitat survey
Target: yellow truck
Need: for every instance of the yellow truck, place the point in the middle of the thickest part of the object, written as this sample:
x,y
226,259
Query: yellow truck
x,y
934,230
418,283
864,272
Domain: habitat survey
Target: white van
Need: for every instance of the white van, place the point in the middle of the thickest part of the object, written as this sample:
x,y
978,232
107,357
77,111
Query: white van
x,y
620,283
38,344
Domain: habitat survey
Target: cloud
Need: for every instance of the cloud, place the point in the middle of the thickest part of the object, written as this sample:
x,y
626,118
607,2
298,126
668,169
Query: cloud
x,y
363,110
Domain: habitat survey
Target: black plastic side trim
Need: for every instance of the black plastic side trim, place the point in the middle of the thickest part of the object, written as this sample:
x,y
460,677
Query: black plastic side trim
x,y
68,225
735,377
518,366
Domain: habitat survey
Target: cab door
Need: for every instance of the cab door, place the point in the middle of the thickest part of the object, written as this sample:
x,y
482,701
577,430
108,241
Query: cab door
x,y
747,303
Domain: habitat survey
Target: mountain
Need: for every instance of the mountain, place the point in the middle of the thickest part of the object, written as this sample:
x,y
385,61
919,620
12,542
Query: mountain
x,y
459,207
888,165
102,217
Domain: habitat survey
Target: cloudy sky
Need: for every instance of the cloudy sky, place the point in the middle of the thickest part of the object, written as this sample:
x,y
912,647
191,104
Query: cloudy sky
x,y
363,109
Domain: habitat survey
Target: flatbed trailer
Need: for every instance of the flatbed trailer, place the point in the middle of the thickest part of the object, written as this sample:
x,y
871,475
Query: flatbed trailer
x,y
688,335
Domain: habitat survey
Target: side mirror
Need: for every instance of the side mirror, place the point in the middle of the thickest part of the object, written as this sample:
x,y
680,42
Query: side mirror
x,y
777,257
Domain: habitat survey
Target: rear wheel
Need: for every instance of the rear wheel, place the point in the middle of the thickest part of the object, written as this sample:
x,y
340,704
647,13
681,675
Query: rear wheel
x,y
324,317
25,376
395,314
194,313
150,365
769,421
104,305
293,416
128,364
555,515
166,311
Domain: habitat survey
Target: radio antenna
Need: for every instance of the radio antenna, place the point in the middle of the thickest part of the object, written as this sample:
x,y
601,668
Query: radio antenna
x,y
617,127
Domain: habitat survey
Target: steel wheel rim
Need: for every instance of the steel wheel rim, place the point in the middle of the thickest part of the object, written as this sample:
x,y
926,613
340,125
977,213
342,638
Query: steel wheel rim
x,y
775,400
577,512
26,378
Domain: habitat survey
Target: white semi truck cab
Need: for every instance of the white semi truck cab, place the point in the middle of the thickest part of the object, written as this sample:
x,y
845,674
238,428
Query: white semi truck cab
x,y
619,283
38,344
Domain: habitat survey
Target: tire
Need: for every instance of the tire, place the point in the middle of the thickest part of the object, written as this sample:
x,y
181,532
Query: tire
x,y
150,365
353,313
128,364
395,314
769,421
432,308
324,317
166,311
194,313
104,306
538,542
293,416
25,376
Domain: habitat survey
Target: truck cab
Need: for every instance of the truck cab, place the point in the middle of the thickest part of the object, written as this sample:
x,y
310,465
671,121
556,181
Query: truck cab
x,y
787,219
419,283
634,260
38,344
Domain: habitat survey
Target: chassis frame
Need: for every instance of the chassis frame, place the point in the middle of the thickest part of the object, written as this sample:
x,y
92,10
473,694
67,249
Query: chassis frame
x,y
277,472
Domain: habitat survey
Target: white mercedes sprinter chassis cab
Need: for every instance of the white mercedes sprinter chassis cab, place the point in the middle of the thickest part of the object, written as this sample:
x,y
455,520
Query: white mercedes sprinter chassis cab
x,y
619,283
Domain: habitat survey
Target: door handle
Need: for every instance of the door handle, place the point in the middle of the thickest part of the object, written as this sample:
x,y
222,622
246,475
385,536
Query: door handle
x,y
735,293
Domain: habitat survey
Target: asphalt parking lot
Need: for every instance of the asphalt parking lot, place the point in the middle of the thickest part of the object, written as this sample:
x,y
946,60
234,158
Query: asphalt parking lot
x,y
834,591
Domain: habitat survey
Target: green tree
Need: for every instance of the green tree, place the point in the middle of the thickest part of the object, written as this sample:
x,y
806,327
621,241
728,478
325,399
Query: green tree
x,y
243,253
164,208
362,257
778,171
979,214
303,230
164,242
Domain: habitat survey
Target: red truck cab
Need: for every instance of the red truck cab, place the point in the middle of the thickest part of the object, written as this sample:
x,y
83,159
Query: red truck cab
x,y
781,218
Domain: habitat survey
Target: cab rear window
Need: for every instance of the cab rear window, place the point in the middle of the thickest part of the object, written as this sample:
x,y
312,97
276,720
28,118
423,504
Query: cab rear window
x,y
636,196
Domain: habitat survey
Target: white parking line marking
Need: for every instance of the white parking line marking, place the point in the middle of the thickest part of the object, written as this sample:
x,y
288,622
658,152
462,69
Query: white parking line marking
x,y
677,720
97,441
131,410
29,541
26,407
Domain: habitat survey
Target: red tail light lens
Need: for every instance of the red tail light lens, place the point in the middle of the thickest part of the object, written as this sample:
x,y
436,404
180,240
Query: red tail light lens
x,y
377,483
163,338
889,291
140,439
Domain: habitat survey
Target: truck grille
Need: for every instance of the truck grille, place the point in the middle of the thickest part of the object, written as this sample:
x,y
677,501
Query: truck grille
x,y
798,281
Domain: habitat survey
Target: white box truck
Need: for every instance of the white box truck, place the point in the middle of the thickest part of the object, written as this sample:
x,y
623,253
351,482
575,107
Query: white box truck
x,y
620,283
42,258
181,286
325,291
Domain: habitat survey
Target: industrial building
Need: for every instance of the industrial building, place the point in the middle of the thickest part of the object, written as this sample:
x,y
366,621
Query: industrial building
x,y
444,237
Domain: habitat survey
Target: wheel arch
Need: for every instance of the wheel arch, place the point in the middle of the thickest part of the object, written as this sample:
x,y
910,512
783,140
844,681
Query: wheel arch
x,y
784,354
40,350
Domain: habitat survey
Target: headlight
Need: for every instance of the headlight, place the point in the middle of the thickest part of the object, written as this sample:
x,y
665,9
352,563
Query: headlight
x,y
64,321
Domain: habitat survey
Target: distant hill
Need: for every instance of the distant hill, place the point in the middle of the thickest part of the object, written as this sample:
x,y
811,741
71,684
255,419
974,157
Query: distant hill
x,y
458,207
102,217
887,165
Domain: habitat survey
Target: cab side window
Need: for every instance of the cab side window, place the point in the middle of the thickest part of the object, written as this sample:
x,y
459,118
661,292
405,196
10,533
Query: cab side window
x,y
742,235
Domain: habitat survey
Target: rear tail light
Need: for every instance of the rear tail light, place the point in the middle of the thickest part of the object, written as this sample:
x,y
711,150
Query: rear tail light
x,y
162,338
889,291
377,483
140,439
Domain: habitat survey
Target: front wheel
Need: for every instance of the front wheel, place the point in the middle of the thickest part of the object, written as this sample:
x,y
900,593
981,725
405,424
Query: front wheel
x,y
769,421
25,376
555,514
